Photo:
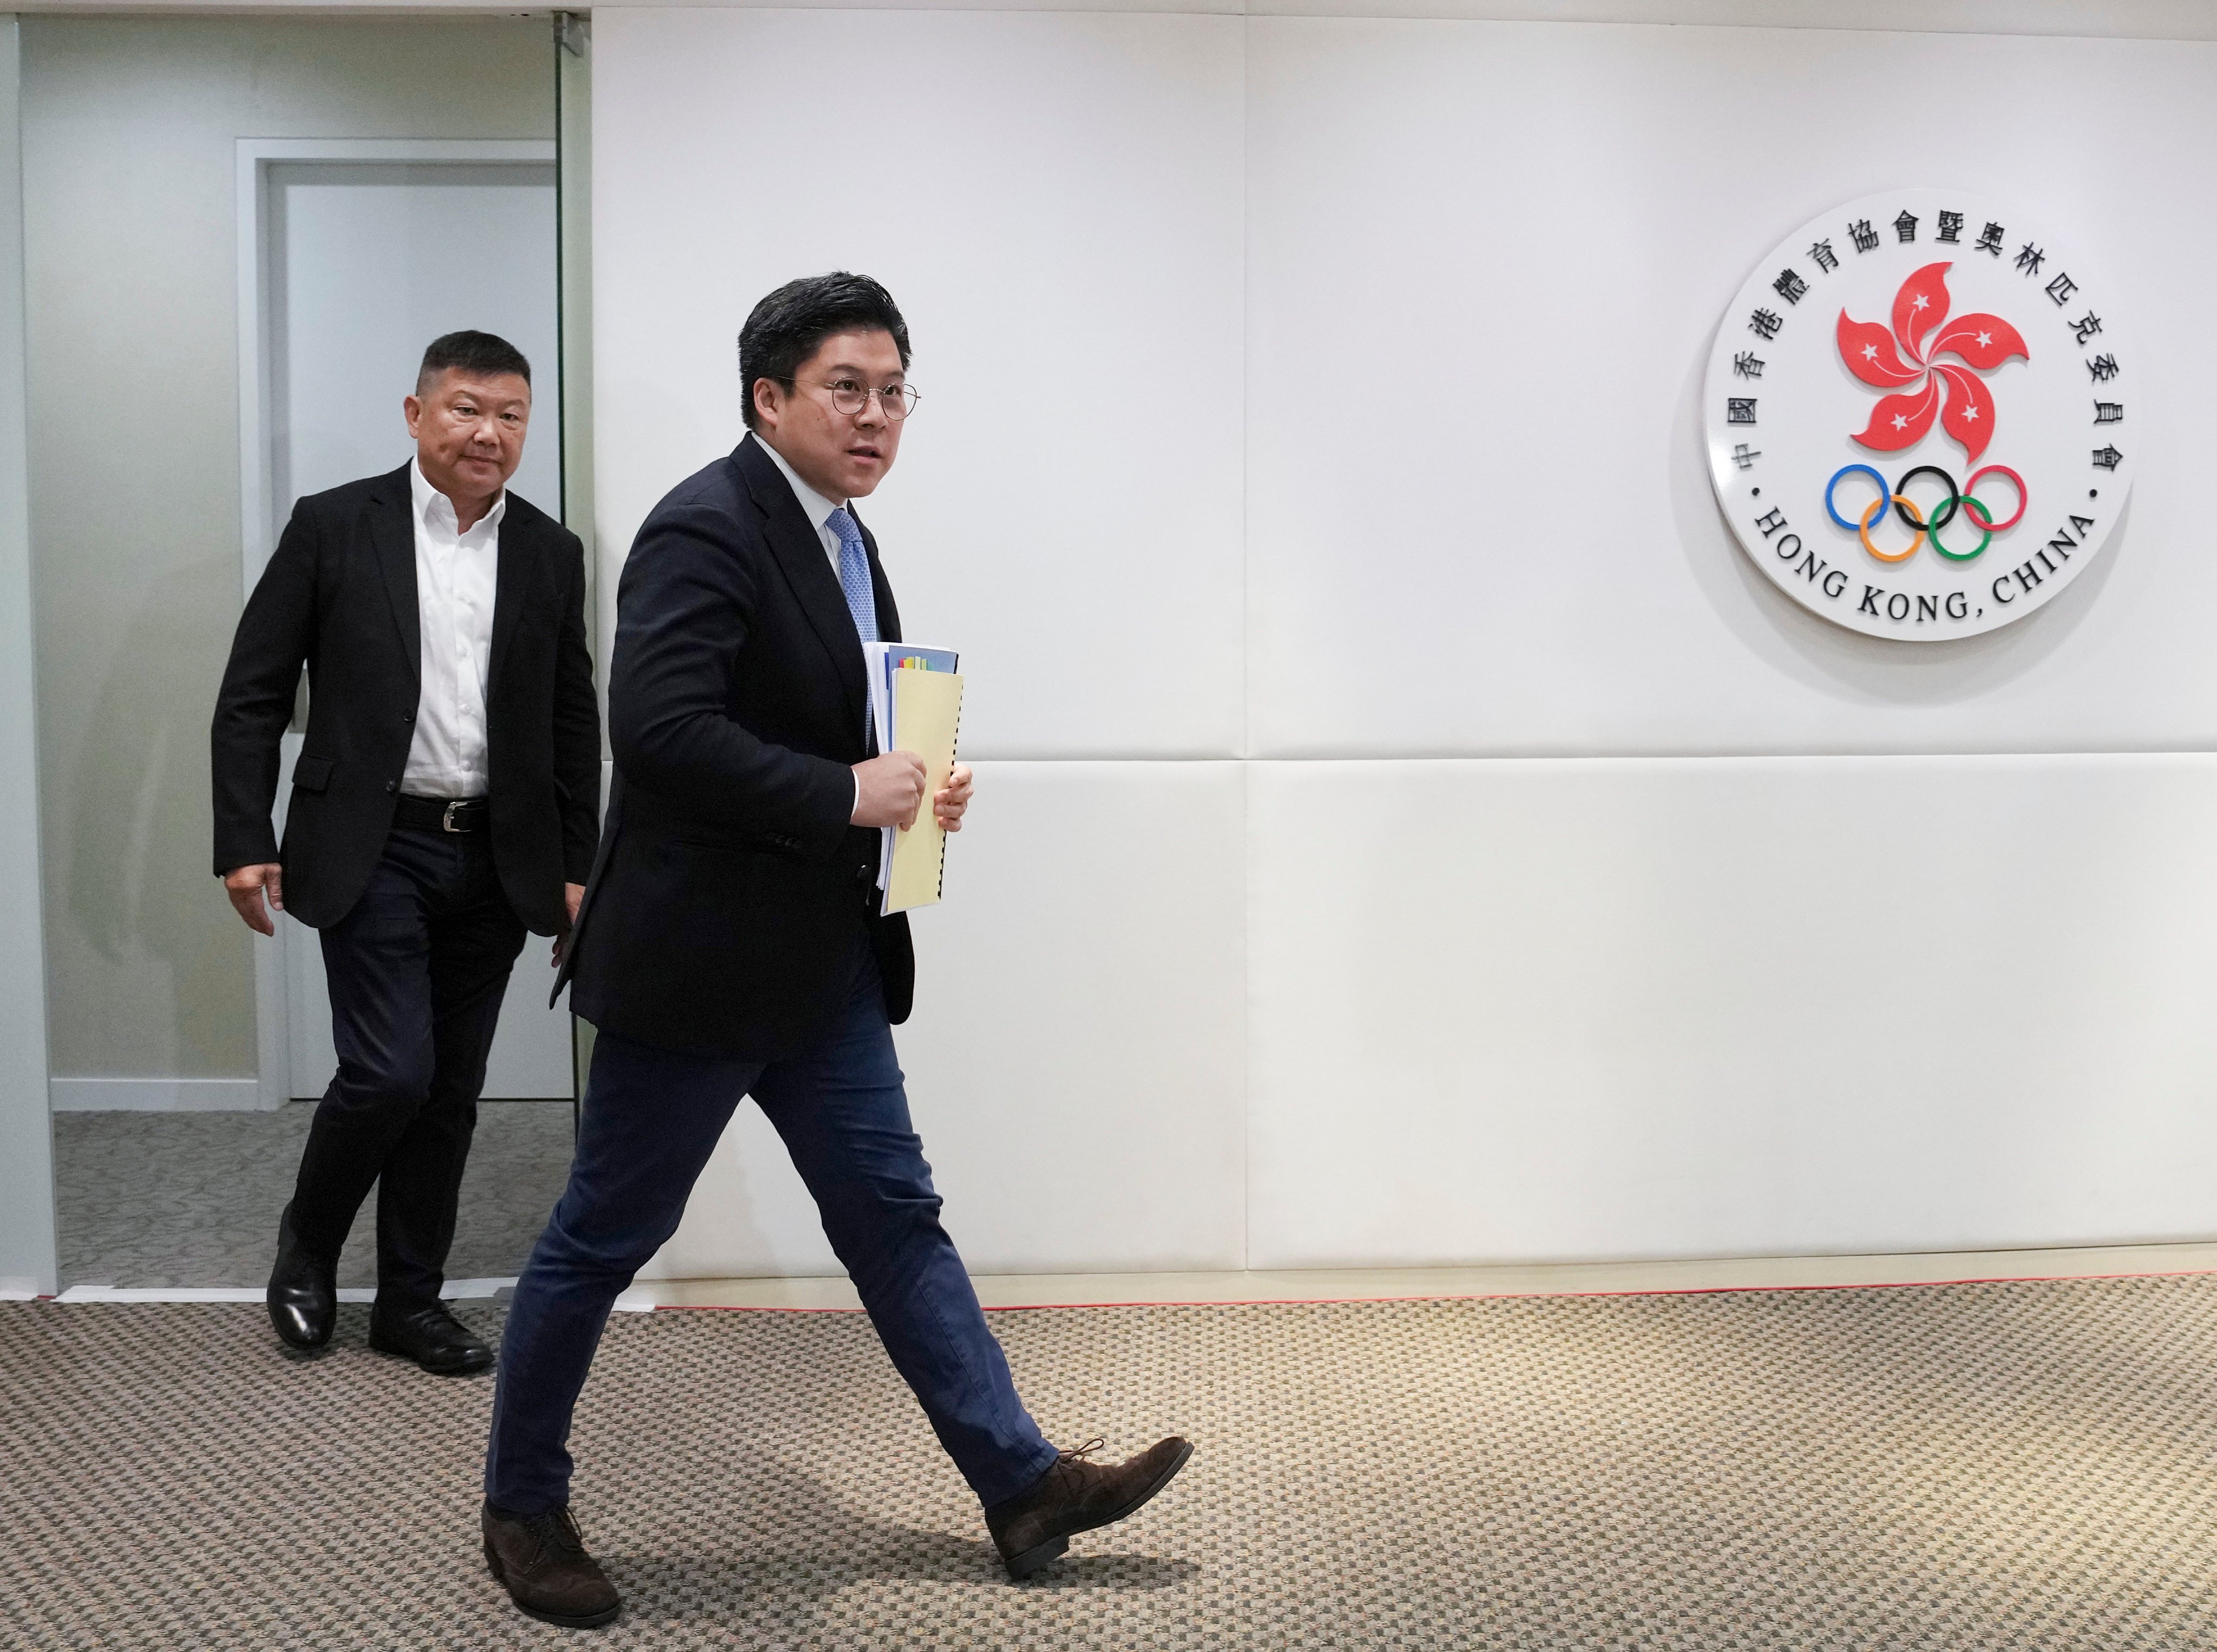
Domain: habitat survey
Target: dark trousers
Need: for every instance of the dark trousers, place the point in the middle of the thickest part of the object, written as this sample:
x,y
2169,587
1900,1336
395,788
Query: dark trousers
x,y
651,1117
416,972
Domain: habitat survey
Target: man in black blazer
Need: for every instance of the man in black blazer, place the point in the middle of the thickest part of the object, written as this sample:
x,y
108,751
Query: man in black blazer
x,y
730,945
445,801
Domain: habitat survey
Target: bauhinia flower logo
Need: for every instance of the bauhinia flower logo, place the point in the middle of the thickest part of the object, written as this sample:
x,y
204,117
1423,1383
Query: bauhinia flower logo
x,y
1908,356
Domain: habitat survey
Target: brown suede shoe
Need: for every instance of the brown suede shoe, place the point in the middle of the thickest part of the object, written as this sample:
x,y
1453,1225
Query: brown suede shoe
x,y
1076,1495
543,1565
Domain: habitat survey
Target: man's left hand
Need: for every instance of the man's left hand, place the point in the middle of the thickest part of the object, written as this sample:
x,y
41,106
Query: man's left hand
x,y
948,805
573,896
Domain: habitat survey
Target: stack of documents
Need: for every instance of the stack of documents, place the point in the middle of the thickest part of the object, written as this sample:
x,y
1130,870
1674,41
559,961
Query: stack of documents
x,y
916,699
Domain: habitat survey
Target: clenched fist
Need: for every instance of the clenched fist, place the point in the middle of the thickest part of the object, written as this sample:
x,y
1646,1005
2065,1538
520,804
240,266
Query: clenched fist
x,y
888,790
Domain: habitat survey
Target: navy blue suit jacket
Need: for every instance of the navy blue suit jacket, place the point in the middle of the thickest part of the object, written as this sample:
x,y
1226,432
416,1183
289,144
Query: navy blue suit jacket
x,y
730,891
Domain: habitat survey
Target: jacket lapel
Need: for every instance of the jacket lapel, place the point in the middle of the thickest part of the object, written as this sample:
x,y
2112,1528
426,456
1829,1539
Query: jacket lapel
x,y
392,532
512,563
799,553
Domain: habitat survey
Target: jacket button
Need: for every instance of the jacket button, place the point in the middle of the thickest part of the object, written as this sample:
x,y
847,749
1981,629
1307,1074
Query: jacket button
x,y
861,874
407,717
392,786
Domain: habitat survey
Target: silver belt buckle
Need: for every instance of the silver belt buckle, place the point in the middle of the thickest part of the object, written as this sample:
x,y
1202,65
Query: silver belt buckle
x,y
446,820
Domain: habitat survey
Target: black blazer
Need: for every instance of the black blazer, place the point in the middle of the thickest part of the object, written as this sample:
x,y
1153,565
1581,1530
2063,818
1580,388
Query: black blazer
x,y
339,595
730,892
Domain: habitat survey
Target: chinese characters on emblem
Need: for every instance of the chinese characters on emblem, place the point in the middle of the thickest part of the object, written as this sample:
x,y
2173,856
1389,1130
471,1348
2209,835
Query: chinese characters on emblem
x,y
1947,228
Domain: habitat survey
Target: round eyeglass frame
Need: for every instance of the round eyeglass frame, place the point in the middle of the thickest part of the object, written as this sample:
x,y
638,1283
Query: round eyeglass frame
x,y
897,401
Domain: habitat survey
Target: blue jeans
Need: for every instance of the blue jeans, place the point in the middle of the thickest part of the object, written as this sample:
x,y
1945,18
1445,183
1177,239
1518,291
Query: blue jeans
x,y
651,1117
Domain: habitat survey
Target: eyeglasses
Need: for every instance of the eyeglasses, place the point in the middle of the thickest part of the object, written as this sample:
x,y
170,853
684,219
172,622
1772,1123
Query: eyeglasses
x,y
898,401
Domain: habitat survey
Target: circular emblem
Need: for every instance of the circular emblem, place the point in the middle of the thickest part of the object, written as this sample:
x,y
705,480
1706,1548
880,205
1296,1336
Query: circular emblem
x,y
1916,416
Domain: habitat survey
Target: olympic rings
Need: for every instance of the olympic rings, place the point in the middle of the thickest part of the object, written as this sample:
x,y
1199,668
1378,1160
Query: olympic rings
x,y
1947,513
1912,516
2016,480
1977,512
1878,509
1834,510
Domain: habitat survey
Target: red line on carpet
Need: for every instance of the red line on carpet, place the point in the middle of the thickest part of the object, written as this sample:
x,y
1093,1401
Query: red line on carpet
x,y
1472,1296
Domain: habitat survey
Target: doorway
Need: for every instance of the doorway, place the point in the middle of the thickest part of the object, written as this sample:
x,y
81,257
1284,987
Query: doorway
x,y
348,251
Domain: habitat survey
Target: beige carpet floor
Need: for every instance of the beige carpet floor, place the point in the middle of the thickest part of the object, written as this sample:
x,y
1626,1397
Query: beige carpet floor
x,y
1961,1467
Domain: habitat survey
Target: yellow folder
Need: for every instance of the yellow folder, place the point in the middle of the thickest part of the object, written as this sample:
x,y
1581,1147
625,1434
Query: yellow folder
x,y
927,711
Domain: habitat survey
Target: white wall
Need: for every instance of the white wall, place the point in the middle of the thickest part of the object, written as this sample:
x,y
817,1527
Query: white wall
x,y
1581,205
1730,1006
1057,208
1586,898
27,1186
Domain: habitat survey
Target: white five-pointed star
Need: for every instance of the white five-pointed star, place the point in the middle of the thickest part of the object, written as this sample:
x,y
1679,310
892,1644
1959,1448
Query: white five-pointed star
x,y
1984,339
1899,422
1971,410
1870,352
1922,301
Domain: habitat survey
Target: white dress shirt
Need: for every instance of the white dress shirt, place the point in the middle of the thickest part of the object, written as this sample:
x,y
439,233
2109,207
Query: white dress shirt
x,y
818,509
455,584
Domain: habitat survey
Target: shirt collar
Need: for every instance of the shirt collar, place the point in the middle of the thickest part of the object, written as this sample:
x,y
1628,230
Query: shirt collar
x,y
433,506
813,505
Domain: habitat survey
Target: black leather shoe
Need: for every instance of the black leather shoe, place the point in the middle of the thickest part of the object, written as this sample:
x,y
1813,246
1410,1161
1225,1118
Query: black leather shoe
x,y
1075,1495
542,1563
431,1336
303,1294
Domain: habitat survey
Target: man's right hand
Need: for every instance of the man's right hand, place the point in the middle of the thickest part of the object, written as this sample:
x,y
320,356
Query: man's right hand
x,y
888,790
245,884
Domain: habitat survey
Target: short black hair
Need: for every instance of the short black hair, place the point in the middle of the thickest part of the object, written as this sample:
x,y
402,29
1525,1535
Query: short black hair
x,y
791,324
482,355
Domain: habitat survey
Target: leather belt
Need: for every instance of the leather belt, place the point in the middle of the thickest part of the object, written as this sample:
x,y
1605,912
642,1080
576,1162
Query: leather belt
x,y
441,814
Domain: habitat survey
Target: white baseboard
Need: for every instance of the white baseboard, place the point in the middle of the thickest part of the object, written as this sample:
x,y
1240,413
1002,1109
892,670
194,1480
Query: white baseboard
x,y
453,1290
80,1293
154,1095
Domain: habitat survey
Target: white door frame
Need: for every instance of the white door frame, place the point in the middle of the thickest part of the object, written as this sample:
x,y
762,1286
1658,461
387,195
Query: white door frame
x,y
257,511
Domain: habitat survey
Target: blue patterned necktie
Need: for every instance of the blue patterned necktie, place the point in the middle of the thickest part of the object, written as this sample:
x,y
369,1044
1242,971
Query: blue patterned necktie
x,y
862,601
854,574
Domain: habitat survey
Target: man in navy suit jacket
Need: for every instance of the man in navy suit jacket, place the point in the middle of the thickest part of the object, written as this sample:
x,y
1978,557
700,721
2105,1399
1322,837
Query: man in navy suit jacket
x,y
729,946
